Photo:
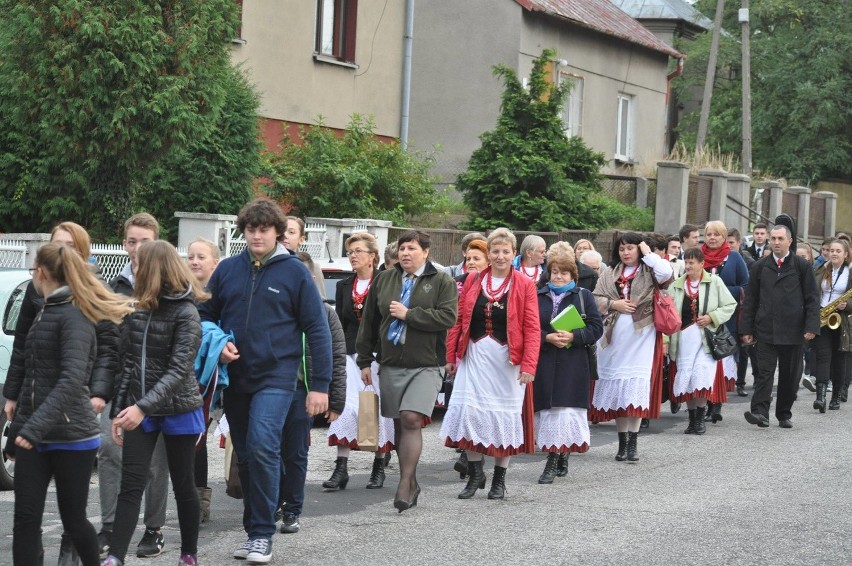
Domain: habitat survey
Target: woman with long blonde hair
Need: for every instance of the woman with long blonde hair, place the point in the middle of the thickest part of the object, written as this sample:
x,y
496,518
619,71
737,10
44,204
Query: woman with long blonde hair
x,y
158,394
55,434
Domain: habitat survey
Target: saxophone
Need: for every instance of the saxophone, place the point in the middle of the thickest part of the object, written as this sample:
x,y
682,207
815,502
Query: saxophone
x,y
828,315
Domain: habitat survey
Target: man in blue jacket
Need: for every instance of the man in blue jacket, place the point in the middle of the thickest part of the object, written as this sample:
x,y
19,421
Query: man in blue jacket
x,y
267,298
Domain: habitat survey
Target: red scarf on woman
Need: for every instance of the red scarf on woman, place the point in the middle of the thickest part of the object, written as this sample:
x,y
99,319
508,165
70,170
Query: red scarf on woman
x,y
714,258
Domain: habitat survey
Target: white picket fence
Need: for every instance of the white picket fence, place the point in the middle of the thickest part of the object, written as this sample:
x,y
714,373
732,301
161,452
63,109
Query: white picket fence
x,y
315,241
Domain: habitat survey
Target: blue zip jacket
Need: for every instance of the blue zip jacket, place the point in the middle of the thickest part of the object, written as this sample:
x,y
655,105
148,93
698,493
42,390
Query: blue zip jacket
x,y
267,309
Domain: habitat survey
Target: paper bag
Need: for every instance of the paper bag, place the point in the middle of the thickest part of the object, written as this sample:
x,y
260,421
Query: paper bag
x,y
368,421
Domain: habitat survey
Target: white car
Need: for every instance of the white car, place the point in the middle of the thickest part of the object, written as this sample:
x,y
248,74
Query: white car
x,y
13,285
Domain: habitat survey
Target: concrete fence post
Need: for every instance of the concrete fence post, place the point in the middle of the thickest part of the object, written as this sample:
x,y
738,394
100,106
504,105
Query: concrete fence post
x,y
830,214
718,194
776,199
214,227
641,192
672,193
803,222
739,188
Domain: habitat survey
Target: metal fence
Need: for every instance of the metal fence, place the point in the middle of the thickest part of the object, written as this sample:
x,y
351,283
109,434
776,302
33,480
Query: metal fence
x,y
622,189
111,259
13,253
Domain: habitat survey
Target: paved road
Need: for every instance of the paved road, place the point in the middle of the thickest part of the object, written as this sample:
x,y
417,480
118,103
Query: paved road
x,y
737,495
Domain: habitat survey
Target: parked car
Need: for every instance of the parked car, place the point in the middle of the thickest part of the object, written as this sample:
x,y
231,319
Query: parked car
x,y
13,284
333,271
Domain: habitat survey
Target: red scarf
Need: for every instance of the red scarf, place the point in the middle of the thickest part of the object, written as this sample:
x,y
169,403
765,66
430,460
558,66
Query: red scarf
x,y
714,258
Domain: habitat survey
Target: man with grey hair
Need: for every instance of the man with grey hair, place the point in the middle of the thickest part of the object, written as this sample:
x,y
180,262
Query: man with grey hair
x,y
781,311
593,260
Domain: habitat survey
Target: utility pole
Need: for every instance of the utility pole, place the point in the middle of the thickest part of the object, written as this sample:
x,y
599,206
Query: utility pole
x,y
744,20
711,76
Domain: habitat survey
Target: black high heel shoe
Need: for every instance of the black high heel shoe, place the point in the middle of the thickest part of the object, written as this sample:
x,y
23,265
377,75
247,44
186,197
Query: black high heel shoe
x,y
400,504
416,495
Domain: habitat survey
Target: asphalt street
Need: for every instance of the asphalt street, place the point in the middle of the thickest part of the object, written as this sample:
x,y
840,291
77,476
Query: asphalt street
x,y
737,495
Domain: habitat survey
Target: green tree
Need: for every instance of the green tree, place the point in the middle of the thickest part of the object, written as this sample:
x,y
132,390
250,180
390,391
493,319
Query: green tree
x,y
99,95
355,174
527,174
801,79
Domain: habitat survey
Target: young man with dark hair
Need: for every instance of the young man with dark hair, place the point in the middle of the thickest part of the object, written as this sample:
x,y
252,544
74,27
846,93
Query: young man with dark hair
x,y
268,299
759,246
689,234
138,229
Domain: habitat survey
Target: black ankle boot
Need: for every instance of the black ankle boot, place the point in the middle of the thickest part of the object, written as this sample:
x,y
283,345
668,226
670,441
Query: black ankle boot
x,y
622,447
461,465
475,479
700,427
715,412
339,477
549,469
562,465
690,429
377,476
819,403
844,393
632,449
835,399
708,415
498,484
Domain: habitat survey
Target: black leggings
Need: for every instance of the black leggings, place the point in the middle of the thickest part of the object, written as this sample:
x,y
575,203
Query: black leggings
x,y
830,361
136,459
72,471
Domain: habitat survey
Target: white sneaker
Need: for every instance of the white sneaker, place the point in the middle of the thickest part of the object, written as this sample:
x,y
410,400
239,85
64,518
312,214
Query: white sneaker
x,y
261,551
243,550
809,383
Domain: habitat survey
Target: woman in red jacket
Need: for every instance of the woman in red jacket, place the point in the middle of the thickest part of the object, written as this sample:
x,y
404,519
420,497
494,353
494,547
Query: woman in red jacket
x,y
493,350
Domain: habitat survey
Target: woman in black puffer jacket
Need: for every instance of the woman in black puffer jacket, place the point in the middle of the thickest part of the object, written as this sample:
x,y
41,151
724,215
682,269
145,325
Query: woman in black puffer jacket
x,y
158,393
54,430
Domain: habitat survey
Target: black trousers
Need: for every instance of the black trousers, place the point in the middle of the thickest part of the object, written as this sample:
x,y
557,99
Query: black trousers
x,y
788,359
135,462
830,361
71,470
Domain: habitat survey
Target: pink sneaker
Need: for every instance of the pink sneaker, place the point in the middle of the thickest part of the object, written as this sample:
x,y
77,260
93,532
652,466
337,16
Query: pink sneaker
x,y
187,560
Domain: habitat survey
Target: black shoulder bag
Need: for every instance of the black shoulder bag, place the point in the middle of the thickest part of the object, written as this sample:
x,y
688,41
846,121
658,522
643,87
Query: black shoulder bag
x,y
722,343
591,349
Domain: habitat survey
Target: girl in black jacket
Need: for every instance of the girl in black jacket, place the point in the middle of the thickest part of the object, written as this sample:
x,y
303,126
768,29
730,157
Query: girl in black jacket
x,y
158,393
54,429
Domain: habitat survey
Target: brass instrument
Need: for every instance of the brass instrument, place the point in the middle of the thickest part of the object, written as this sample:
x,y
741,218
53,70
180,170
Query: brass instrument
x,y
828,315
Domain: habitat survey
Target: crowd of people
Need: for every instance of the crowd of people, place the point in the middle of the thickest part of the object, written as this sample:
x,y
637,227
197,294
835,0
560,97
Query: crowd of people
x,y
525,345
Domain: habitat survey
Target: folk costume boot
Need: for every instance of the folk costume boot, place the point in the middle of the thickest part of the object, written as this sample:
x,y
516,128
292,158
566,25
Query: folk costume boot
x,y
622,447
339,477
377,476
549,468
632,449
461,465
700,427
690,428
819,403
844,393
562,465
708,416
475,479
204,496
835,399
715,413
498,483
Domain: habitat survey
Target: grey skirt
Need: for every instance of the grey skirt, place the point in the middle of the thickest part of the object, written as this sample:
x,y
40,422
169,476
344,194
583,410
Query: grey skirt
x,y
408,389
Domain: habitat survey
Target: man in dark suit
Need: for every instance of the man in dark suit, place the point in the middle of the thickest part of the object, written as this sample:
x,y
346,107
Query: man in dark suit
x,y
781,311
759,244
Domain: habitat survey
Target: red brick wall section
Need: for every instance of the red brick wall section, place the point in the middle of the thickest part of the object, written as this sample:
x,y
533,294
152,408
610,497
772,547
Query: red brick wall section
x,y
273,132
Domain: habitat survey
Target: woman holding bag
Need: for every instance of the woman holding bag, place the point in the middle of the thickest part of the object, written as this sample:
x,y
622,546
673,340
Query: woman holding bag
x,y
630,352
704,302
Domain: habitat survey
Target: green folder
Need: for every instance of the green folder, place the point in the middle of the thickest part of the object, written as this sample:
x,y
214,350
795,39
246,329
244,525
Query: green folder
x,y
568,320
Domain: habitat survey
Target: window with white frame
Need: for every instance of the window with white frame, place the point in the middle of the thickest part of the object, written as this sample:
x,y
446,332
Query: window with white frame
x,y
624,128
572,110
336,24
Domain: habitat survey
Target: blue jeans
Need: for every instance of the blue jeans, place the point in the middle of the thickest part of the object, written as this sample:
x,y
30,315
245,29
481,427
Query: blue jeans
x,y
294,453
256,420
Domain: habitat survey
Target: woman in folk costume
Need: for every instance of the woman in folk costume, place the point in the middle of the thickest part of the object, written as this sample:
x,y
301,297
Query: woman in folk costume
x,y
351,294
530,259
563,378
630,353
703,302
493,351
721,260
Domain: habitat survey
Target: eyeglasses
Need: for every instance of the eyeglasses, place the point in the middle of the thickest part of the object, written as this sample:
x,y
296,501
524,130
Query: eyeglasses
x,y
352,253
32,270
